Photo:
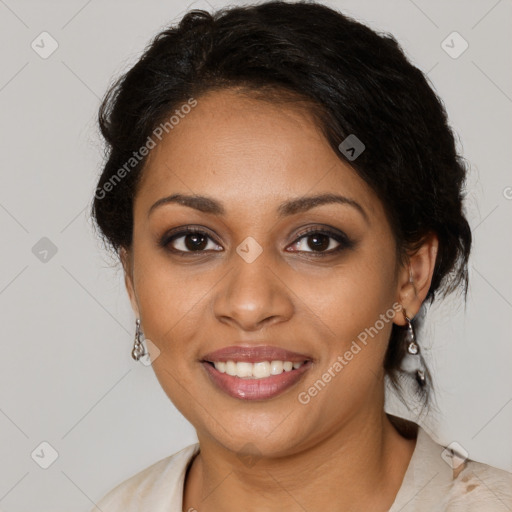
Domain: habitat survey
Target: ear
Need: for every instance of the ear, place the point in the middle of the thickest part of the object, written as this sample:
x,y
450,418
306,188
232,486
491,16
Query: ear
x,y
127,261
416,277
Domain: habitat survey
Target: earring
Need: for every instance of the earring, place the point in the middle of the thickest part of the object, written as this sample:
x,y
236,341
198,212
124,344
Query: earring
x,y
413,361
138,348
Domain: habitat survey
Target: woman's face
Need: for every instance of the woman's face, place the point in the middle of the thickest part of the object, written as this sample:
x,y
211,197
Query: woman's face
x,y
253,278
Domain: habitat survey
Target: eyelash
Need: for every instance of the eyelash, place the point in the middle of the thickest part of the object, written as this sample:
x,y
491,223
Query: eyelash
x,y
343,241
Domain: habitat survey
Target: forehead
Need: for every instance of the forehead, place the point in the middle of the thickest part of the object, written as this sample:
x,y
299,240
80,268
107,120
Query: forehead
x,y
246,152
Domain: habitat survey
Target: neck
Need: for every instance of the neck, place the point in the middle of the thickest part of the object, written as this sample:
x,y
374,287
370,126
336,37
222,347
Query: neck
x,y
358,467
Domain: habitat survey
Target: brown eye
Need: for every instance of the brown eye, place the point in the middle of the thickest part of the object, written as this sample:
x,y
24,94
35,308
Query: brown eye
x,y
188,241
321,242
318,242
195,241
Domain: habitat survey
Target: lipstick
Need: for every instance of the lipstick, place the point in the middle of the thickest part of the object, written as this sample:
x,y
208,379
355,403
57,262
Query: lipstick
x,y
255,373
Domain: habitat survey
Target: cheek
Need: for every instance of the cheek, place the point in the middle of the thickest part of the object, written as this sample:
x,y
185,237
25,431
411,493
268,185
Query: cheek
x,y
354,309
348,299
172,311
171,301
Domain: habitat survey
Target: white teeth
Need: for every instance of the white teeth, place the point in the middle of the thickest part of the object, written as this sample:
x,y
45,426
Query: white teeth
x,y
221,366
231,368
259,370
276,367
243,369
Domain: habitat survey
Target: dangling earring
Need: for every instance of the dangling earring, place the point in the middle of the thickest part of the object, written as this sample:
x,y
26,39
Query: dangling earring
x,y
138,348
413,361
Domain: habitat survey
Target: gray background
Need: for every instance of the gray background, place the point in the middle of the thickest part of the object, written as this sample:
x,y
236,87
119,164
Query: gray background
x,y
66,375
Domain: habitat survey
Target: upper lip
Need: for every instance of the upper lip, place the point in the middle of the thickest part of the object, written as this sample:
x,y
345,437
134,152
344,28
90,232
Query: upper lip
x,y
254,354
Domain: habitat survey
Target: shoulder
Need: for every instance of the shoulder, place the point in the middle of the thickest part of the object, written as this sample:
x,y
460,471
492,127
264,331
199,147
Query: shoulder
x,y
439,479
154,488
477,487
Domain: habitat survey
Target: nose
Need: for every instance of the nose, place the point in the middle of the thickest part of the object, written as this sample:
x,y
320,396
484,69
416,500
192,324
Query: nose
x,y
253,295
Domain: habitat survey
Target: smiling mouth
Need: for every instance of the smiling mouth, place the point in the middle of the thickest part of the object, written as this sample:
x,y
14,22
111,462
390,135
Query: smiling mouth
x,y
261,380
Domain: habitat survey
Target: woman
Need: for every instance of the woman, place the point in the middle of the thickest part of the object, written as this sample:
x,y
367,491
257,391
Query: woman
x,y
283,190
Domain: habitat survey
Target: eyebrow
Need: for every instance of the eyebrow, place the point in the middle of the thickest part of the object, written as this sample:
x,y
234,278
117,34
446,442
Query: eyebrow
x,y
209,205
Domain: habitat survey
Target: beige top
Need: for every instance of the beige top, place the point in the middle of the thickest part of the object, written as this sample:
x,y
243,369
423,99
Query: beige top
x,y
430,484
